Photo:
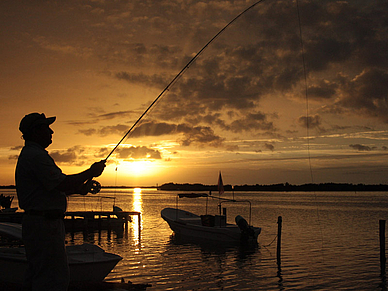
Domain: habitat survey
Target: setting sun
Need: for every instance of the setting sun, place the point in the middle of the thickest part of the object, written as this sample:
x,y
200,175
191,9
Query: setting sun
x,y
138,168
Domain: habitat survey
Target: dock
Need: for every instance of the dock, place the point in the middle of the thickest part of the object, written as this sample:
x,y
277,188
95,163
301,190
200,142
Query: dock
x,y
86,220
99,220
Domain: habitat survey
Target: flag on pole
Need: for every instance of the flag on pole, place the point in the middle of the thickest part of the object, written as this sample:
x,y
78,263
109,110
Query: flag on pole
x,y
220,185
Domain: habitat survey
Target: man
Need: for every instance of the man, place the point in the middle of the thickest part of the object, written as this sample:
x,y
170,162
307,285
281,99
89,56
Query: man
x,y
41,189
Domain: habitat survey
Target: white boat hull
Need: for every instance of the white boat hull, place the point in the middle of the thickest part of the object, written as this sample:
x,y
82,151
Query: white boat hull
x,y
87,262
187,224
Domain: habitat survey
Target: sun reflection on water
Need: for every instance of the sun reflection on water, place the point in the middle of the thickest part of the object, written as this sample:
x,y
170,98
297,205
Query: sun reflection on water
x,y
137,205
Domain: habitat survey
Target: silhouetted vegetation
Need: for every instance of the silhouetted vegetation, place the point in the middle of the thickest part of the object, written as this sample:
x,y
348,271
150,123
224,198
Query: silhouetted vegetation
x,y
282,187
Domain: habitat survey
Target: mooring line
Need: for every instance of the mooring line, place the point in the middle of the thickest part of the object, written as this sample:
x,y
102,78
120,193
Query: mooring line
x,y
268,245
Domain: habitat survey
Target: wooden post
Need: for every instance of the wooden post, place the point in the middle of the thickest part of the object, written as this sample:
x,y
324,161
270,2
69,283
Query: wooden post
x,y
139,222
382,247
278,249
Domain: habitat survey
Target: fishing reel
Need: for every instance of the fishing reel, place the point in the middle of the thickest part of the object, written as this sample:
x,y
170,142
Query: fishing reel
x,y
91,186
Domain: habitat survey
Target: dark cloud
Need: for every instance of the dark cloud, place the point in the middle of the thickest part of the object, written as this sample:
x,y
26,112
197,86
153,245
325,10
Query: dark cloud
x,y
71,156
197,135
119,129
322,90
153,128
140,152
201,136
189,135
269,146
117,114
253,121
311,122
338,37
16,148
155,80
367,94
361,148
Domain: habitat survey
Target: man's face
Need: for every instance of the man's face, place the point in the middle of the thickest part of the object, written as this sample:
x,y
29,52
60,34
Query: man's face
x,y
43,135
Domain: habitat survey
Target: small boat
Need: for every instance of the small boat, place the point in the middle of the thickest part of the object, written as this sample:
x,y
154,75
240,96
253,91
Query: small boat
x,y
210,227
87,262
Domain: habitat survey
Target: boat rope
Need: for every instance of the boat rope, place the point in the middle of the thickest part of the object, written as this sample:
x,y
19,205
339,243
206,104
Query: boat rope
x,y
173,81
157,226
268,245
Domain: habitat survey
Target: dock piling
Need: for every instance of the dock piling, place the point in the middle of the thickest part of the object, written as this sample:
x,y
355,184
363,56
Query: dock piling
x,y
278,249
382,247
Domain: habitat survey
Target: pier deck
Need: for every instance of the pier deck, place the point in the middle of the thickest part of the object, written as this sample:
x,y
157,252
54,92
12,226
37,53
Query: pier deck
x,y
86,220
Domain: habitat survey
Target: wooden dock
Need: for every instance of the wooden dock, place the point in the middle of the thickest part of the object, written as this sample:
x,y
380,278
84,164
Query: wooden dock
x,y
99,220
86,220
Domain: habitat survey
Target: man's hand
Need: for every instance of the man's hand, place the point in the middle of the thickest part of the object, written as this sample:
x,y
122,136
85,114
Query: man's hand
x,y
97,168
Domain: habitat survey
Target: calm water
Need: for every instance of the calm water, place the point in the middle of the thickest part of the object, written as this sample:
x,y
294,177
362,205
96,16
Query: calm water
x,y
330,241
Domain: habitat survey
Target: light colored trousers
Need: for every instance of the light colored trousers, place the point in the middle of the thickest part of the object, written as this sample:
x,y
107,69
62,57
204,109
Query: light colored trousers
x,y
44,241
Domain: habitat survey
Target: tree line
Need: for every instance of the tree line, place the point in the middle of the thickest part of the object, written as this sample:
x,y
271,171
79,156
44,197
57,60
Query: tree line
x,y
282,187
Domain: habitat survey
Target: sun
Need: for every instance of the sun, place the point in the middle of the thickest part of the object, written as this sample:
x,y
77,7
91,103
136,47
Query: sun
x,y
138,168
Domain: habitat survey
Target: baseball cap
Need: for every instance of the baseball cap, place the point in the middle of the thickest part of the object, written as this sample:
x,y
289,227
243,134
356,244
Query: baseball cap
x,y
33,119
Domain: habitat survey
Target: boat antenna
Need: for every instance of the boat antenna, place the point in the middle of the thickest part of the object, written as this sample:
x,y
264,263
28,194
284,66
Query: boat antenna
x,y
180,74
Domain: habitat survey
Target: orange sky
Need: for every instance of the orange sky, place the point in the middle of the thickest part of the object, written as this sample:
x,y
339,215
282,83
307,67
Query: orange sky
x,y
240,109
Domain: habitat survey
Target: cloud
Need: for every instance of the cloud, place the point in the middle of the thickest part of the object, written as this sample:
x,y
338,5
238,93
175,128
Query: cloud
x,y
201,136
119,129
16,148
153,128
361,148
322,90
252,121
140,152
116,114
269,146
155,80
13,157
367,93
197,135
71,156
311,122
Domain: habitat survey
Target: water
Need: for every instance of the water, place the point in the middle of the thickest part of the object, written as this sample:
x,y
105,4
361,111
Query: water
x,y
330,241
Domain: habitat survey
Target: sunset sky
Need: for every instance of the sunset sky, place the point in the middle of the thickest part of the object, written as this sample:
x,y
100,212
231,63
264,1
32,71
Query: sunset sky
x,y
241,108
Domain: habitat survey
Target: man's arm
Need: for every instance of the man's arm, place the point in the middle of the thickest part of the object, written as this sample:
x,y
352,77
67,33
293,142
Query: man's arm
x,y
73,183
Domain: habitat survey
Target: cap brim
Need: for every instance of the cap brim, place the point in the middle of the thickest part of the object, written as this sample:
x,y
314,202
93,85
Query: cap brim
x,y
50,120
47,120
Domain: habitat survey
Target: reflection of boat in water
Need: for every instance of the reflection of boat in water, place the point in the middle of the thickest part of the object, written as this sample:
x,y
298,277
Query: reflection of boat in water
x,y
87,262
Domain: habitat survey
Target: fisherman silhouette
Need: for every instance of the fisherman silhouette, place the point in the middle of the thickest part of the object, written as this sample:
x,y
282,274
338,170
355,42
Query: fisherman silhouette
x,y
42,189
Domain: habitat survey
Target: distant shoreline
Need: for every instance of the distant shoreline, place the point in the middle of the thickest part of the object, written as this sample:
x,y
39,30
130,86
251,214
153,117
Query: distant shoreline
x,y
281,187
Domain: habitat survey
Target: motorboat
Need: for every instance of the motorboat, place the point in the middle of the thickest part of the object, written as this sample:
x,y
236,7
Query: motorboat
x,y
87,262
212,228
208,227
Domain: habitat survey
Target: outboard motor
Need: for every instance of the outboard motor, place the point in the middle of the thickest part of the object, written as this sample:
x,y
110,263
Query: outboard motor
x,y
246,230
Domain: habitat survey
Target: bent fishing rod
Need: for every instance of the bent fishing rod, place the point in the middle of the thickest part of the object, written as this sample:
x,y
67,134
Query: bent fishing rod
x,y
179,75
94,186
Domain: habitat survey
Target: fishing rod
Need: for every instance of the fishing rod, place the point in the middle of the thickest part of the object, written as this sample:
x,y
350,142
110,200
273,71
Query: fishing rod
x,y
179,75
95,186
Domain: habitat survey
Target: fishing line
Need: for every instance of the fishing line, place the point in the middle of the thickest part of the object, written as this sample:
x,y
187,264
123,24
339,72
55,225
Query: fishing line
x,y
307,121
173,81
